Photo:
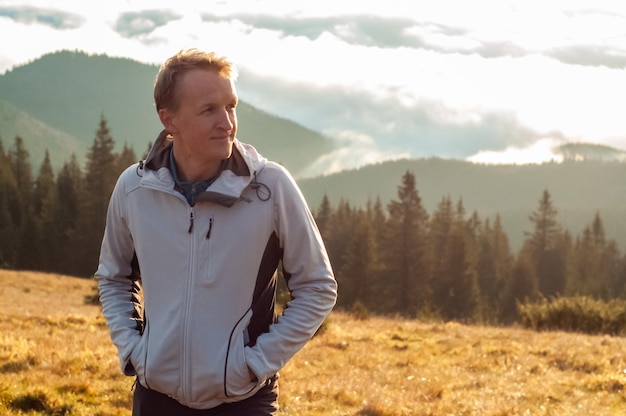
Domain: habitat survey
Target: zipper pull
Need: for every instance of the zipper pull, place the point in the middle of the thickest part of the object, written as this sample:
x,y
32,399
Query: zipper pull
x,y
190,220
208,234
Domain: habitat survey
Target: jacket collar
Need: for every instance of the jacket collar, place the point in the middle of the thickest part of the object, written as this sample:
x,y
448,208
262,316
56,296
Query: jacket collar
x,y
239,171
159,154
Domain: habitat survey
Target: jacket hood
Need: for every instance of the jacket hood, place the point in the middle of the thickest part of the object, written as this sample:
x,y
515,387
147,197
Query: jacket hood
x,y
239,170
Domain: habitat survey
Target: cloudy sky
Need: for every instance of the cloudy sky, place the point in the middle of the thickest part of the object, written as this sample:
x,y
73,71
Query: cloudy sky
x,y
486,80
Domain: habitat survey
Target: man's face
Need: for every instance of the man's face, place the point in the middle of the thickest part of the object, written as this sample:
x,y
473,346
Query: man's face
x,y
205,124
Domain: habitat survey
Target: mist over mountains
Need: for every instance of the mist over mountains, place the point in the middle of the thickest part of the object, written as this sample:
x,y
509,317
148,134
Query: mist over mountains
x,y
56,102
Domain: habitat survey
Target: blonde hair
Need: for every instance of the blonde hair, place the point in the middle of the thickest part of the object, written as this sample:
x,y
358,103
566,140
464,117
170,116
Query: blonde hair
x,y
170,73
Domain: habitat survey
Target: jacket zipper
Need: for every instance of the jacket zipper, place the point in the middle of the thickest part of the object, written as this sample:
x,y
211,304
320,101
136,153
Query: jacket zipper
x,y
190,220
208,234
186,387
186,321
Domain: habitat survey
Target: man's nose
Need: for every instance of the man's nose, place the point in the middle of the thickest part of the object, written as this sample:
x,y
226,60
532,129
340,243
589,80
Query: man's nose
x,y
226,120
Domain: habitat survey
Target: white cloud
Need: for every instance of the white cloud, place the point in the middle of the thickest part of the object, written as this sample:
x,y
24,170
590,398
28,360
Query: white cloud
x,y
354,150
541,63
539,152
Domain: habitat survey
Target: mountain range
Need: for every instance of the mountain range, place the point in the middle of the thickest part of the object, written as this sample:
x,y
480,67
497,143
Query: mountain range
x,y
56,103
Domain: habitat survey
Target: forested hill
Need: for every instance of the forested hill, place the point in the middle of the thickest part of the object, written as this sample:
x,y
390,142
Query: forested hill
x,y
66,93
579,190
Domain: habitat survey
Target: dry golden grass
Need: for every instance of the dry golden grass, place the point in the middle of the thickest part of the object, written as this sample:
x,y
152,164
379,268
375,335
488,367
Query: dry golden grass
x,y
397,367
56,359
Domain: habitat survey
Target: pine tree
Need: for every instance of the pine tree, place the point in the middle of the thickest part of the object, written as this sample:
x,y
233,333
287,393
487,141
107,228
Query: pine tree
x,y
597,228
339,242
613,264
494,266
406,250
126,158
359,266
378,220
596,263
21,206
323,216
547,229
501,248
610,263
8,199
586,265
522,287
440,230
546,247
100,176
461,302
19,160
44,207
338,234
377,227
70,191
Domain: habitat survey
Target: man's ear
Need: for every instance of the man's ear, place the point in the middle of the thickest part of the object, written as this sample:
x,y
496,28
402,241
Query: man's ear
x,y
167,120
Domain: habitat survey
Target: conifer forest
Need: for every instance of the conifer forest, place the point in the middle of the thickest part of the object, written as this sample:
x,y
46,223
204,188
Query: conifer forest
x,y
395,258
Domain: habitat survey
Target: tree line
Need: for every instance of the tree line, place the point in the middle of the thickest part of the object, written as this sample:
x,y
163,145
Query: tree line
x,y
399,259
392,259
54,223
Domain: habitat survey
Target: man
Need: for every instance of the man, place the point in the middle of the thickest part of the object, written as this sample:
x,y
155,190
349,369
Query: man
x,y
203,223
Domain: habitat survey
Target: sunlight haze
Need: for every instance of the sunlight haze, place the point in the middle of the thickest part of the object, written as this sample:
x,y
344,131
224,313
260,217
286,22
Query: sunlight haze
x,y
489,81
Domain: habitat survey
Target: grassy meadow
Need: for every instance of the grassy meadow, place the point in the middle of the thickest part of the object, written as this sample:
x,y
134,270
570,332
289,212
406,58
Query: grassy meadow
x,y
56,359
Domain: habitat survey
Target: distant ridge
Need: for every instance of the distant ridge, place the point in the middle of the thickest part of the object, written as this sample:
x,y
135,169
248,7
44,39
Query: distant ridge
x,y
590,151
579,190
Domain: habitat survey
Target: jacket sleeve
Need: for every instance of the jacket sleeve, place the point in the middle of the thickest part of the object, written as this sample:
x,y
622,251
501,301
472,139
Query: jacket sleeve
x,y
309,278
117,277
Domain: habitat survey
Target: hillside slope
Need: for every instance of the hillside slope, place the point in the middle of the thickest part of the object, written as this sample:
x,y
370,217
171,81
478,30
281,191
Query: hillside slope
x,y
37,137
70,91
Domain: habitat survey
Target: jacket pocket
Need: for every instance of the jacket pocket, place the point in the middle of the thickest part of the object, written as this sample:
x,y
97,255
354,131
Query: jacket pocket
x,y
139,356
237,378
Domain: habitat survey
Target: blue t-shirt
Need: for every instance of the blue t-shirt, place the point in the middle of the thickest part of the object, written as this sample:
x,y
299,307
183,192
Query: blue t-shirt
x,y
191,190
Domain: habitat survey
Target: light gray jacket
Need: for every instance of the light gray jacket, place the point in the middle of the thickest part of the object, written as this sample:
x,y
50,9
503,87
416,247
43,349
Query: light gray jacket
x,y
208,277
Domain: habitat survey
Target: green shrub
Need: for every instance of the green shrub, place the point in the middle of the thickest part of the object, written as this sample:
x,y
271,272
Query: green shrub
x,y
576,314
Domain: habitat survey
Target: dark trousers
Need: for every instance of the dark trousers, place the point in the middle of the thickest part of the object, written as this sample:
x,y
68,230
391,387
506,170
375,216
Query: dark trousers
x,y
152,403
